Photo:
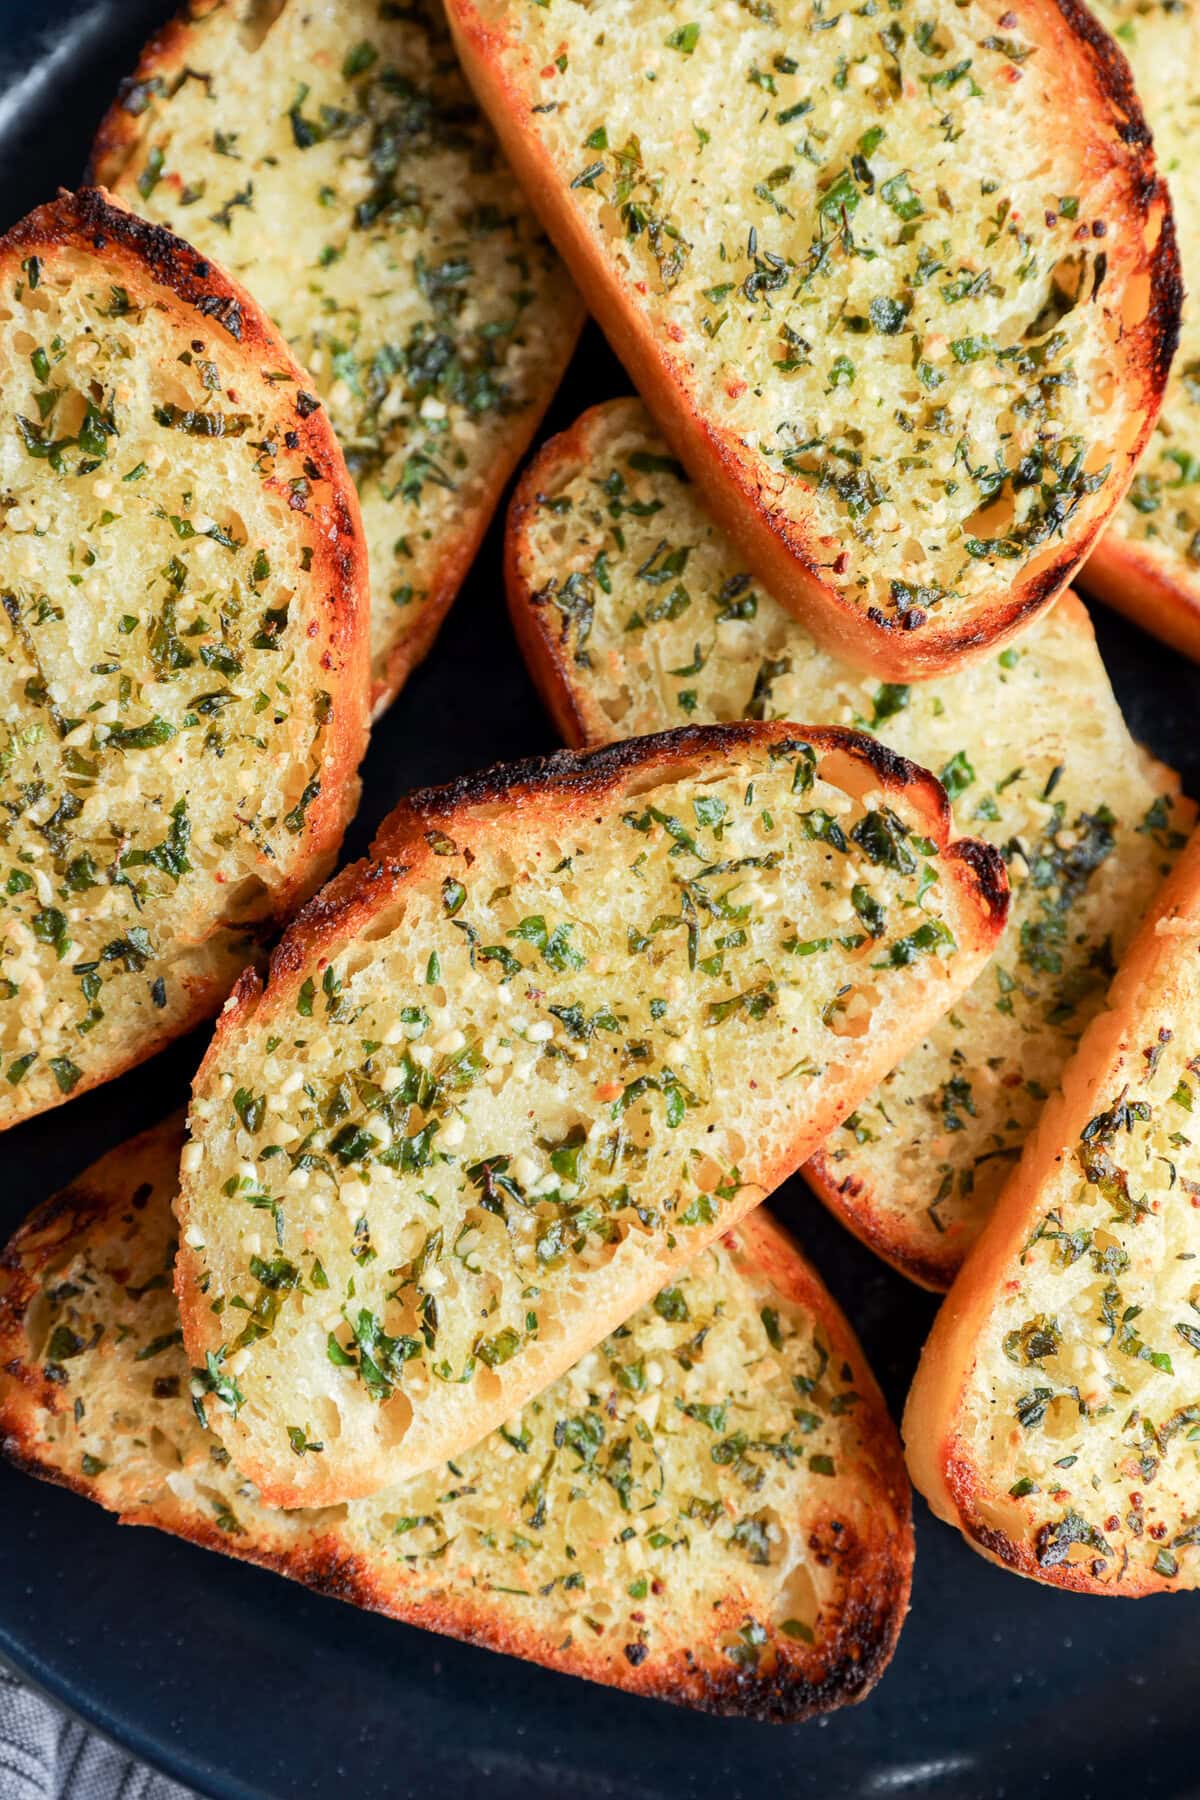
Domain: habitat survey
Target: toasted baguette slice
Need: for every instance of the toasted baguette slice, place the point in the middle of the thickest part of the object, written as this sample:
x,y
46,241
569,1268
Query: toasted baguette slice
x,y
901,292
1053,1414
184,626
710,1508
1147,564
332,158
634,611
508,1077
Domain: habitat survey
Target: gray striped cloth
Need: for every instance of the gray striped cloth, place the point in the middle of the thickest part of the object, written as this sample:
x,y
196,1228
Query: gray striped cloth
x,y
45,1755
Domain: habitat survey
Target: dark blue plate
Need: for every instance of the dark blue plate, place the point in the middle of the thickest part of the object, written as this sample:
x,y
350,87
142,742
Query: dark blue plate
x,y
242,1685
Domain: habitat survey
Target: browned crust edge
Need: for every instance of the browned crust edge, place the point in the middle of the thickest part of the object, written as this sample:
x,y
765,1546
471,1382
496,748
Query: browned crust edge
x,y
968,1492
90,220
544,657
876,1569
842,1194
569,781
204,997
1152,590
1156,592
93,1201
560,787
940,1460
459,554
116,139
576,779
780,551
580,777
119,130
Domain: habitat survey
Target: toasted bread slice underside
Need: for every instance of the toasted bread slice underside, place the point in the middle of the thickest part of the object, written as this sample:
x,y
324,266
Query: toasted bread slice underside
x,y
562,1032
184,627
1147,564
333,159
902,295
634,612
710,1508
1054,1411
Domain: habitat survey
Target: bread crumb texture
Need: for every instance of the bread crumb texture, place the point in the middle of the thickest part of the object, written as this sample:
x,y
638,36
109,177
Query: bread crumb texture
x,y
642,615
1075,1435
1161,38
919,317
330,155
503,1081
181,612
709,1507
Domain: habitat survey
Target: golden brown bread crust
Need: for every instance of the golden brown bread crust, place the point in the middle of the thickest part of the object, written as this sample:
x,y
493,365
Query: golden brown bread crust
x,y
581,776
557,791
575,779
940,1458
876,1568
785,557
163,57
119,130
1150,589
1141,568
546,659
848,1198
206,989
90,221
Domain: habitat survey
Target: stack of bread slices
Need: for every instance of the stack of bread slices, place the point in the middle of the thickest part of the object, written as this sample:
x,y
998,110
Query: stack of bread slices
x,y
454,1292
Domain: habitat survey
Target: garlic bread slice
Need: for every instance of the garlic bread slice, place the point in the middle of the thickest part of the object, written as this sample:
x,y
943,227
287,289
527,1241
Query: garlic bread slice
x,y
1147,564
1054,1416
573,1021
183,612
331,156
635,612
710,1508
901,291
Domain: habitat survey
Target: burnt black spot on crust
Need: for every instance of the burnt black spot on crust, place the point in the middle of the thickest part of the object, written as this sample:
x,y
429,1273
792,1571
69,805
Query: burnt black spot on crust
x,y
987,865
1113,74
591,772
997,1544
89,213
894,771
337,1575
1167,293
